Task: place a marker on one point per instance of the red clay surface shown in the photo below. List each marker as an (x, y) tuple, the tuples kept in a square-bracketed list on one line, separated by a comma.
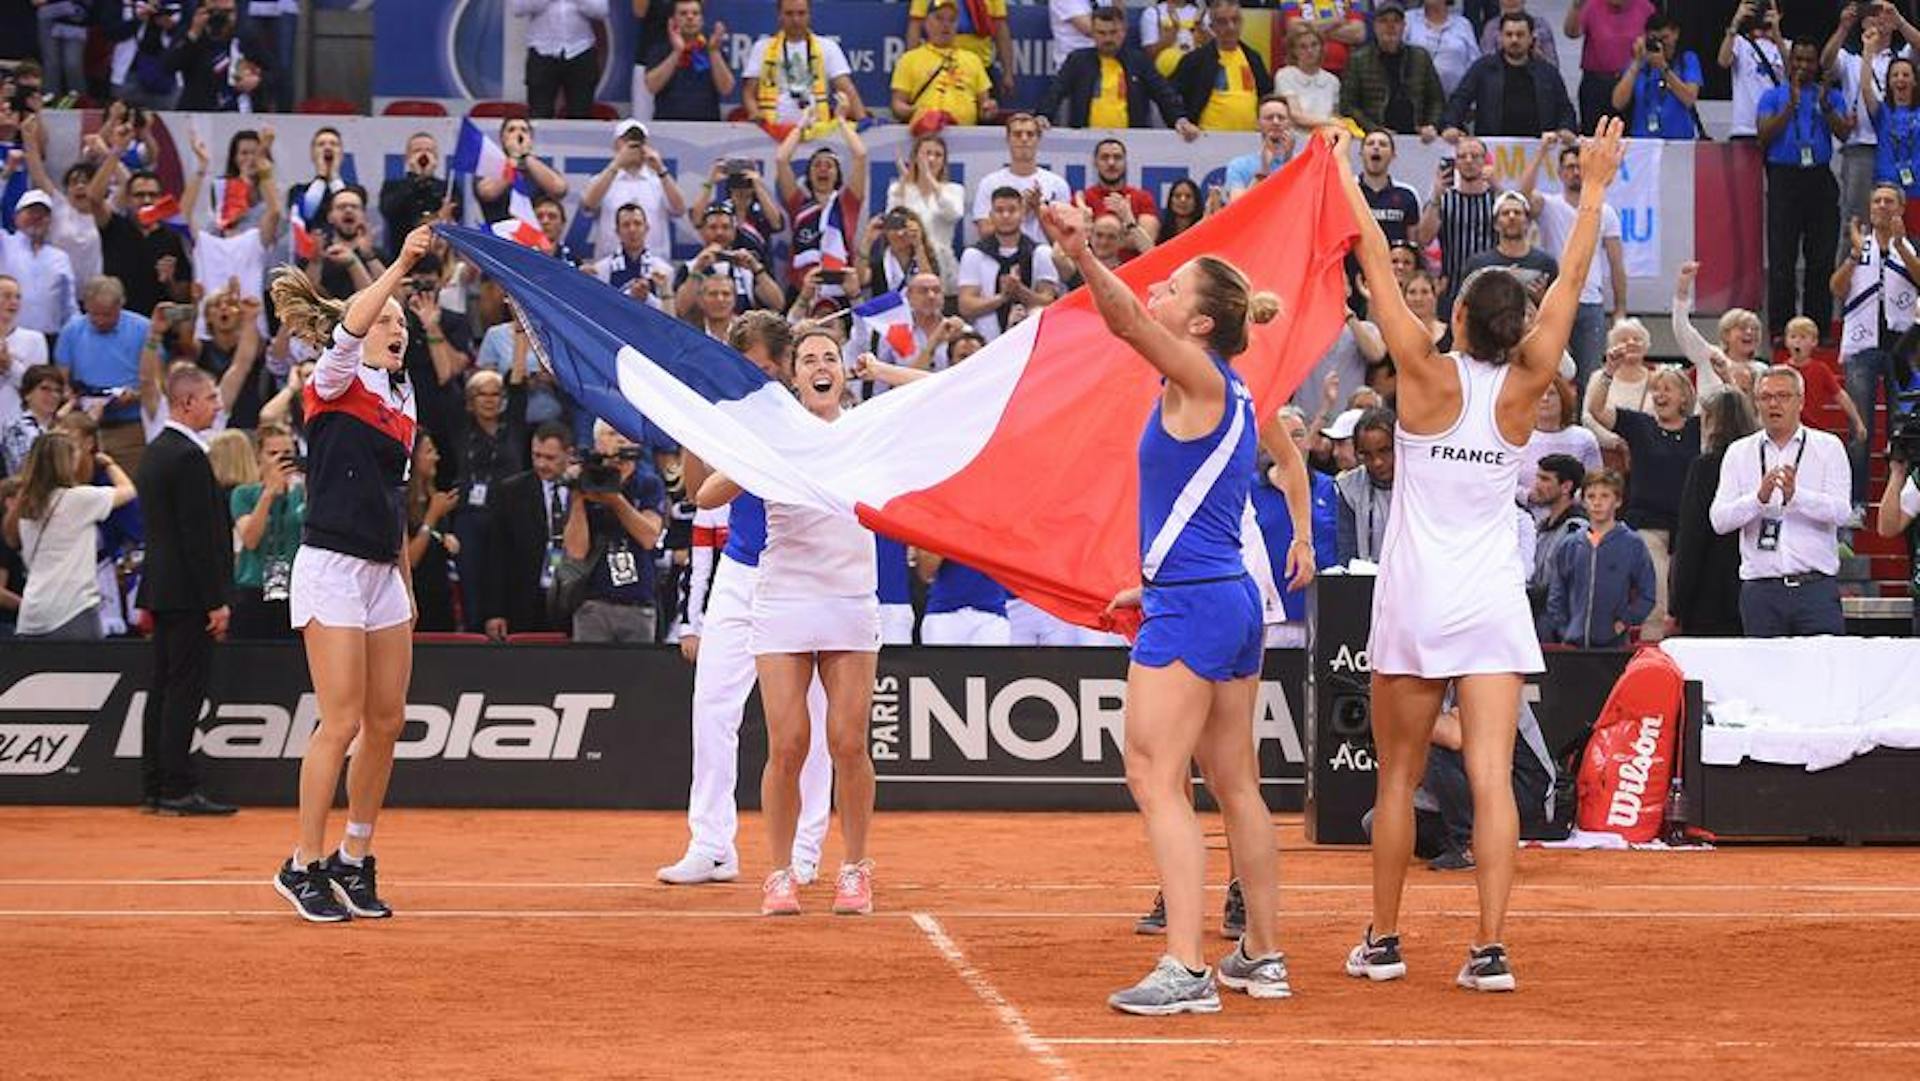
[(535, 944)]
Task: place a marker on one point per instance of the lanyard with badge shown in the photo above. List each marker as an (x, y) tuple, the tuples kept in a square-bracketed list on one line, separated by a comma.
[(555, 512), (1769, 539), (1901, 137), (1656, 97), (1804, 128)]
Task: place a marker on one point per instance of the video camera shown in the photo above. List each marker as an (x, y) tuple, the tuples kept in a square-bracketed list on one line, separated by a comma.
[(600, 473), (1903, 432)]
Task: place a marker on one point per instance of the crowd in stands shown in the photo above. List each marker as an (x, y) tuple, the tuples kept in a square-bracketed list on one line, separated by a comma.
[(1628, 507)]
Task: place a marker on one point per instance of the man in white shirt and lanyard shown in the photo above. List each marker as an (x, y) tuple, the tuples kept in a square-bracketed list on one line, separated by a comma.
[(1753, 50), (1877, 289), (1857, 154), (1784, 489), (560, 53)]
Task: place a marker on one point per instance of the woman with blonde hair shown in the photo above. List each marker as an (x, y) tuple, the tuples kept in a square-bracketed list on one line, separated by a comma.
[(53, 523), (350, 594), (1662, 442), (1628, 385), (1735, 362), (230, 453)]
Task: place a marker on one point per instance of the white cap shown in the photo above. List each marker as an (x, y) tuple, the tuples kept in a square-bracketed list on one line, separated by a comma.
[(1343, 425), (33, 197), (630, 124)]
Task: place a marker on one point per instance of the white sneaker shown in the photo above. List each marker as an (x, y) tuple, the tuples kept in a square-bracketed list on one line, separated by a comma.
[(805, 873), (694, 869)]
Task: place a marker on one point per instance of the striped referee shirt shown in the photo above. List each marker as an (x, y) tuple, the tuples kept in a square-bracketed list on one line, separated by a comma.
[(1466, 230)]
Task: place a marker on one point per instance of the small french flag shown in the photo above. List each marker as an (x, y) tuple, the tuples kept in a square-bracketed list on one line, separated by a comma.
[(164, 211), (888, 317), (522, 232), (477, 155), (304, 245)]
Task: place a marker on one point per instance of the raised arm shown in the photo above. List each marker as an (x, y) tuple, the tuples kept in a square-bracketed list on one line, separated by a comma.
[(1183, 363), (366, 304), (784, 181), (1692, 342), (1539, 352), (857, 150), (1405, 334)]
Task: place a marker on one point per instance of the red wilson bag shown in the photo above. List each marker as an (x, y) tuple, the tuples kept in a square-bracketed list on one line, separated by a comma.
[(1629, 759)]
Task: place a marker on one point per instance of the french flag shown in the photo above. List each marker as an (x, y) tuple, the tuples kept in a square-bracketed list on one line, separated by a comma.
[(887, 318), (831, 254), (477, 155), (522, 232), (1018, 463), (305, 246)]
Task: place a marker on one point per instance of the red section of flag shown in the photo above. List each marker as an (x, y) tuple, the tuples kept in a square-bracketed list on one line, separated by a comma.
[(304, 246), (1059, 526), (166, 208), (900, 337), (236, 195)]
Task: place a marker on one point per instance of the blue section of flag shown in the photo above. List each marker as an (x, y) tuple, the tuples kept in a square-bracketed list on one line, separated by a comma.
[(581, 324), (466, 152), (880, 305)]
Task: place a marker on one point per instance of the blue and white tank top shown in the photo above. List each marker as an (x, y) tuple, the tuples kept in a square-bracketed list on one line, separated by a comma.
[(1193, 492)]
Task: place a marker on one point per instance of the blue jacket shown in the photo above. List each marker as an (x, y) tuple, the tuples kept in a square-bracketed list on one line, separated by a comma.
[(1593, 587)]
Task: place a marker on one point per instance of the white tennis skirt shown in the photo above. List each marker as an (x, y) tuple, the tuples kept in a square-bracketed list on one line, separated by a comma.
[(338, 590), (814, 625)]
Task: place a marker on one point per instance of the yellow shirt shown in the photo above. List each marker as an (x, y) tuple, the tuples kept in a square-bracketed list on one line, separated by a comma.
[(1110, 99), (968, 38), (953, 77), (1234, 105)]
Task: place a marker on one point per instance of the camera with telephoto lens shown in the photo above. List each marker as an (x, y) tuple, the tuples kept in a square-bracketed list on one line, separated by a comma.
[(599, 472), (1903, 432)]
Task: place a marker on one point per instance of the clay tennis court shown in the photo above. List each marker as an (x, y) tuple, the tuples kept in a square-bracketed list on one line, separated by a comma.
[(535, 944)]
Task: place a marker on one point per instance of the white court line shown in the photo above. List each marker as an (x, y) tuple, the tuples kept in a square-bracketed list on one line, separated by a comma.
[(1019, 887), (1007, 1012), (1463, 1043), (743, 913)]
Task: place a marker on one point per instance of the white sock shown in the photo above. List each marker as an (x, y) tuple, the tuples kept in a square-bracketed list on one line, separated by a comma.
[(349, 858)]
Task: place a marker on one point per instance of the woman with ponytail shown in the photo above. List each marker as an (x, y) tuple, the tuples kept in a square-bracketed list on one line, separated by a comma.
[(351, 593), (1450, 605), (1194, 676)]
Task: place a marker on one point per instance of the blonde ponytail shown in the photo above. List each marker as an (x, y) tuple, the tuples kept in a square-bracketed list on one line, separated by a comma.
[(302, 310)]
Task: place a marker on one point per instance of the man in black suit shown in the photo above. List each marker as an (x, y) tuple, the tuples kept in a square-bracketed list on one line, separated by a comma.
[(528, 519), (189, 565), (1085, 72)]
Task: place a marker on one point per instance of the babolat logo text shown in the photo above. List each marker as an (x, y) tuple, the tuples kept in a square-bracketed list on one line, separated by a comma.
[(1624, 809), (37, 746)]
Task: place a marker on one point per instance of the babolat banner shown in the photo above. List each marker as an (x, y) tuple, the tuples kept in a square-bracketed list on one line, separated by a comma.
[(582, 726)]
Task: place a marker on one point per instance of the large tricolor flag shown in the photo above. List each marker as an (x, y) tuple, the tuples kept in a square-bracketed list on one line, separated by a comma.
[(476, 154), (1020, 462)]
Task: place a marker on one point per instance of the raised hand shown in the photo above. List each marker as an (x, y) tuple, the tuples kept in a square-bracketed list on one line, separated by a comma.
[(1601, 155), (1066, 227), (416, 245)]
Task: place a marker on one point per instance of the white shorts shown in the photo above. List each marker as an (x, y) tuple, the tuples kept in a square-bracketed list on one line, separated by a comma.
[(814, 625), (338, 590), (965, 627)]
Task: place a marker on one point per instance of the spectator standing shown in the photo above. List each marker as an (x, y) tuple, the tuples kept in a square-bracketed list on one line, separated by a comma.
[(1459, 212), (1553, 498), (1072, 24), (1277, 140), (791, 76), (208, 56), (722, 256), (689, 79), (268, 516), (417, 193), (981, 29), (1753, 50), (43, 271), (1607, 31), (21, 348), (939, 82), (1732, 363), (494, 194), (1392, 85), (1366, 490), (614, 533), (1006, 275), (637, 174), (1600, 589), (74, 230), (1111, 85), (43, 389), (1224, 80), (1170, 29), (1395, 205), (1876, 287), (142, 36), (1852, 69), (1139, 218), (1312, 92), (1784, 490), (1606, 276), (560, 54), (651, 18), (1446, 36), (1798, 124), (1511, 92), (1661, 444), (1825, 405), (278, 25), (1544, 44), (184, 582), (310, 200), (1899, 506), (430, 548), (230, 352), (1024, 174), (825, 209), (100, 352), (1556, 431), (923, 189), (1895, 116), (1511, 251), (1704, 591), (529, 523), (137, 249), (345, 259), (53, 524), (1660, 87)]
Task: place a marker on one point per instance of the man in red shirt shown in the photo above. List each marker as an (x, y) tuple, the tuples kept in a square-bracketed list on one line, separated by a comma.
[(1139, 216)]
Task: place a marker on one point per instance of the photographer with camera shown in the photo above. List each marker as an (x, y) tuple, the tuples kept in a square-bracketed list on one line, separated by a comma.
[(1753, 50), (205, 58), (608, 576), (637, 174), (418, 193), (736, 183), (1659, 90), (722, 255), (635, 271), (1900, 502), (267, 520)]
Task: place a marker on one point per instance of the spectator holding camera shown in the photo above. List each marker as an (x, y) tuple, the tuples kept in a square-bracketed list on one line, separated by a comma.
[(897, 253), (611, 530), (143, 35), (737, 183), (924, 188), (827, 184), (1753, 50), (1900, 501), (1884, 36), (208, 55), (723, 257), (418, 193), (635, 271), (1657, 92), (53, 524), (637, 174), (267, 519)]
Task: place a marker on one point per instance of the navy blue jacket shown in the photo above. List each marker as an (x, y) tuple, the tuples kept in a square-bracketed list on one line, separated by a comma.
[(1594, 587)]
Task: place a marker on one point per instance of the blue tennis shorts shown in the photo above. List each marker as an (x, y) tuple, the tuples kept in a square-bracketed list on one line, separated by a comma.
[(1213, 627)]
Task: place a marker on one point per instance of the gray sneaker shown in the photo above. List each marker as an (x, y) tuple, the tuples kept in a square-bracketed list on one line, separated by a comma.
[(1169, 989), (1262, 978)]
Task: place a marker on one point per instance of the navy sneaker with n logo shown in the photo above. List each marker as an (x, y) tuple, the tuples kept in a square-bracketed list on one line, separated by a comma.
[(310, 891), (354, 887)]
